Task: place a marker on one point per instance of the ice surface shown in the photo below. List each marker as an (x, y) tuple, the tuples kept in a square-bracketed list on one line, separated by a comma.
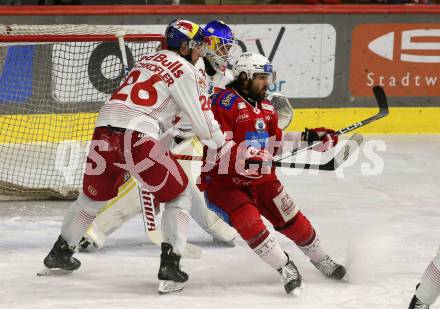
[(385, 228)]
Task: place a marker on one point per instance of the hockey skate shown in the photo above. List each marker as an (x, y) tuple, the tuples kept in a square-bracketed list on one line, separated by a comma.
[(417, 303), (171, 277), (59, 261), (330, 268), (291, 278)]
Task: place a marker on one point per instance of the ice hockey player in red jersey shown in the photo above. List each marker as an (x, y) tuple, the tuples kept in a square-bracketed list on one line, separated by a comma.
[(127, 138), (429, 288), (254, 191)]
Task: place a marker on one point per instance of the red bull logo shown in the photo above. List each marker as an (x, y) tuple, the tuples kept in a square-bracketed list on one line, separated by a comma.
[(185, 25)]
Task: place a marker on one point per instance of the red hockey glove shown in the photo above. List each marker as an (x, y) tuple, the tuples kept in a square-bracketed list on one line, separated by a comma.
[(255, 154), (328, 138)]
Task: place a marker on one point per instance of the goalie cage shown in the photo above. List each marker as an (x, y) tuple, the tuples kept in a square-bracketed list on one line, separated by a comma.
[(53, 81)]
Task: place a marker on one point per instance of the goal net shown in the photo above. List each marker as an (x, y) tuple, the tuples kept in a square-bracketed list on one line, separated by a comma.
[(53, 80)]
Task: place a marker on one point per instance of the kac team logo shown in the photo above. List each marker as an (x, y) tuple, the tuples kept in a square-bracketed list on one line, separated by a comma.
[(260, 125)]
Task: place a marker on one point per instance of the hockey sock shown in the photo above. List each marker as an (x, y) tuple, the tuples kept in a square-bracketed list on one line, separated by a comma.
[(175, 219), (269, 250), (429, 288), (314, 250), (79, 216), (249, 225)]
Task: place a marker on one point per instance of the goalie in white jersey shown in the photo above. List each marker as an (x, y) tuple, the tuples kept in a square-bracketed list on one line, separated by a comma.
[(127, 139)]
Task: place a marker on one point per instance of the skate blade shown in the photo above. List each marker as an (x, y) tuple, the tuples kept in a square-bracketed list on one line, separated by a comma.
[(168, 286), (297, 292), (53, 272)]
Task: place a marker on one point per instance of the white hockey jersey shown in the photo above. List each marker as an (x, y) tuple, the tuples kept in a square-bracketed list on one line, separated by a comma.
[(160, 86), (218, 80)]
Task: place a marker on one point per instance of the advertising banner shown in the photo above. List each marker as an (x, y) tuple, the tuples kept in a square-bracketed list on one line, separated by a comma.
[(403, 58)]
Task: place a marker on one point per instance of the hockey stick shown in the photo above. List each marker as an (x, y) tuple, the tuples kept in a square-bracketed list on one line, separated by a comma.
[(340, 157), (155, 235), (382, 103), (352, 145)]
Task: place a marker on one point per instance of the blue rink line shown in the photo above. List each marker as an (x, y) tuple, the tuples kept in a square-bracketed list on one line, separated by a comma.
[(17, 75)]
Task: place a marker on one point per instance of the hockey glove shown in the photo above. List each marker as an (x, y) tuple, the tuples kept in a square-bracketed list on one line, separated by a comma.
[(328, 138)]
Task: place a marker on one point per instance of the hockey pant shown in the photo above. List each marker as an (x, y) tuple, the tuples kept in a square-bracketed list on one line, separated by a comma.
[(245, 205), (127, 204)]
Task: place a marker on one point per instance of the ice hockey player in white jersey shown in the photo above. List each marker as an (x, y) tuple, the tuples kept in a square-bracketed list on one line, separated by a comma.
[(213, 66), (127, 139), (429, 288)]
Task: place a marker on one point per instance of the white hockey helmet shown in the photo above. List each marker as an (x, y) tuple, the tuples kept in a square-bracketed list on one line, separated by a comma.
[(252, 63)]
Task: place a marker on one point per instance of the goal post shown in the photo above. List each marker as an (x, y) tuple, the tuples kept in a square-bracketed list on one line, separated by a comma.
[(53, 80)]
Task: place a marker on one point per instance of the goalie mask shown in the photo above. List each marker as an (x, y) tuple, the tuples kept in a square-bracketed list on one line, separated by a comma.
[(220, 44)]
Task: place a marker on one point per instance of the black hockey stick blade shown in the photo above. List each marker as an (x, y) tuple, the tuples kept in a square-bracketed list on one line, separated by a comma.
[(382, 103), (340, 157)]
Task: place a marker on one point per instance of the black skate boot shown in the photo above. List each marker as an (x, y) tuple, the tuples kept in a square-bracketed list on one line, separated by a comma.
[(171, 277), (330, 268), (59, 261), (417, 303), (291, 277)]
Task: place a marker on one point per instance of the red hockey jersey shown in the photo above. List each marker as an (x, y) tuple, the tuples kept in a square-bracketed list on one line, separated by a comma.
[(248, 126)]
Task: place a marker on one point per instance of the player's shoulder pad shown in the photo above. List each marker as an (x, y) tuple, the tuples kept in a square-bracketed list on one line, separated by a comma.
[(267, 105), (225, 98)]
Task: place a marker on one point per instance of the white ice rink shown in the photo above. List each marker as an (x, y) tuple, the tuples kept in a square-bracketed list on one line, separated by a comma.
[(385, 228)]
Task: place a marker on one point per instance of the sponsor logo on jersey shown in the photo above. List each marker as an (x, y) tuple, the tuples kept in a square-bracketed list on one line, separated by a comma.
[(243, 116), (257, 139), (201, 82), (161, 65), (402, 58), (228, 101), (260, 125)]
